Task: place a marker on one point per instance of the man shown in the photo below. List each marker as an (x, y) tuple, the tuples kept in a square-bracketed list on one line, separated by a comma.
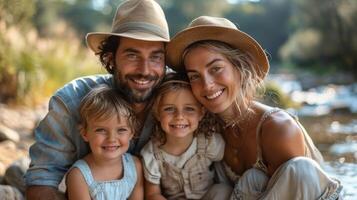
[(133, 54)]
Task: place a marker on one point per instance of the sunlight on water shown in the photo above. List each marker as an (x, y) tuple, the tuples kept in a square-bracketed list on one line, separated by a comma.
[(347, 174)]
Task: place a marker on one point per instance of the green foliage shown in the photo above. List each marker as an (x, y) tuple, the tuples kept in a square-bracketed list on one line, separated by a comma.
[(180, 13), (32, 67), (79, 14), (267, 21), (325, 34), (274, 96), (16, 12)]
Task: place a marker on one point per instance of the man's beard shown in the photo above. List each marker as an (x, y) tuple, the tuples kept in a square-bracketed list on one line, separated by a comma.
[(132, 95)]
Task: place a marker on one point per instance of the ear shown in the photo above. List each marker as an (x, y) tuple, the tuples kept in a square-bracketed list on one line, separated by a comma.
[(83, 132), (111, 58)]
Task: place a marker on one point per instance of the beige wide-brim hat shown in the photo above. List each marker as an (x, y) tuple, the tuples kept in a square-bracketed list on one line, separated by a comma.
[(219, 29), (136, 19)]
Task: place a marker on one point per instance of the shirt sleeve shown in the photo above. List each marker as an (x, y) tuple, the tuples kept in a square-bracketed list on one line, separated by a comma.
[(54, 150), (215, 147), (151, 166), (58, 143)]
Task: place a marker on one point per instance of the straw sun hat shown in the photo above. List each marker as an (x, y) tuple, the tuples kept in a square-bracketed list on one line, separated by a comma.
[(137, 19), (219, 29)]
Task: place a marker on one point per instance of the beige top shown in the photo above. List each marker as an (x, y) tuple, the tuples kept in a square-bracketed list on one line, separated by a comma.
[(188, 175)]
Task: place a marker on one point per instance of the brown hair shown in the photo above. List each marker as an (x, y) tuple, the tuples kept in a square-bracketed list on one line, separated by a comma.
[(107, 50), (103, 102), (244, 63)]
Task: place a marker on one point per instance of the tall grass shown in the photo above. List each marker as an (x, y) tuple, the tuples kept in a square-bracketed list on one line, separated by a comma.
[(32, 68)]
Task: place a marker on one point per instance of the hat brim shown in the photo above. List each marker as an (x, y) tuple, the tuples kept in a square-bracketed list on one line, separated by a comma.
[(94, 39), (233, 37)]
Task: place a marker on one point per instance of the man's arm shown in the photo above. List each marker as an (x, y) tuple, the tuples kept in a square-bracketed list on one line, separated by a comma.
[(58, 142), (53, 152), (43, 192)]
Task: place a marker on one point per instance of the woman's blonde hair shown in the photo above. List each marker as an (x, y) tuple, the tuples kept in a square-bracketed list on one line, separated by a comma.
[(103, 102), (244, 63)]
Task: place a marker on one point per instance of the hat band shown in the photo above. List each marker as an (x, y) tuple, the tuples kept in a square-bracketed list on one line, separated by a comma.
[(141, 27)]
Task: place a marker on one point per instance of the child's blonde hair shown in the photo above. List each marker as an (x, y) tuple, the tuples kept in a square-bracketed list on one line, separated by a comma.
[(103, 102)]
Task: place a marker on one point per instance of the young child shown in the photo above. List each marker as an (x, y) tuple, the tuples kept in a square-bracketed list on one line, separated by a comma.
[(108, 172), (178, 158)]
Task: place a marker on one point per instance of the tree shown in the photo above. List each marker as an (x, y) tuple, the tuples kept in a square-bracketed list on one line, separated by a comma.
[(267, 21), (331, 26), (180, 13)]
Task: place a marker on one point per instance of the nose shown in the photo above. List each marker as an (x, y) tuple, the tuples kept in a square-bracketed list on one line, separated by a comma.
[(208, 82), (112, 136), (144, 68), (179, 114)]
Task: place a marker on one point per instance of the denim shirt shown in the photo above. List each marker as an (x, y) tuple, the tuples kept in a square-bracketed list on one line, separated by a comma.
[(58, 141)]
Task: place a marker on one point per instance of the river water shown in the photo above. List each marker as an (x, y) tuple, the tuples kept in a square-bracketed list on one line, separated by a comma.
[(329, 114), (347, 174), (335, 135)]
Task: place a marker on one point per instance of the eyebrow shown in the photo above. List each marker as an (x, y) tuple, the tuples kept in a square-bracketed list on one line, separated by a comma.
[(131, 50), (213, 61), (208, 64), (158, 51), (186, 104)]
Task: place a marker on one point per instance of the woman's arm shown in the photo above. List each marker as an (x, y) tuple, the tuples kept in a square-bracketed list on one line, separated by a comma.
[(77, 187), (138, 191), (153, 191), (281, 140)]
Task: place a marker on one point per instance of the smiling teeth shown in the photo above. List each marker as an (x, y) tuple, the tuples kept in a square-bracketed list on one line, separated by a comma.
[(111, 147), (179, 126), (215, 95), (141, 82)]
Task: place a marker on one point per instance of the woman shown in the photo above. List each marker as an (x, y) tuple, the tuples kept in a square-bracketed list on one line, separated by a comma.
[(267, 153)]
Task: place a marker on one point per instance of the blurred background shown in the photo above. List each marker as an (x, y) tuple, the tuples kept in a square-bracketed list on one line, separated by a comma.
[(312, 47)]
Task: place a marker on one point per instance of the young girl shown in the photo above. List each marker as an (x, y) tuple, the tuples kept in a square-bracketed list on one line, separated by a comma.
[(108, 172), (177, 159)]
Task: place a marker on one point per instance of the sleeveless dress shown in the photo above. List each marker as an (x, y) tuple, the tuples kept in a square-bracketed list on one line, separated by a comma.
[(113, 189), (298, 178)]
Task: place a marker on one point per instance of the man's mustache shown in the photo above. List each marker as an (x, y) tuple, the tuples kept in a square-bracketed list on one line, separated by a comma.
[(140, 76)]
